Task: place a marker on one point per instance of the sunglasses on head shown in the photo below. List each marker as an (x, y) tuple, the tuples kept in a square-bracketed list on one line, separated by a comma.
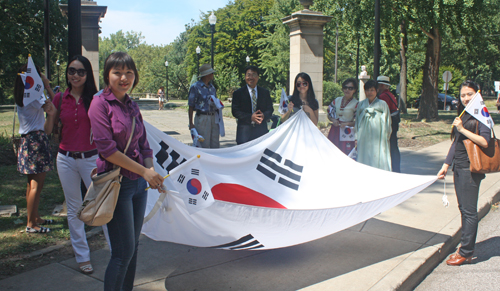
[(303, 84), (80, 72), (349, 88)]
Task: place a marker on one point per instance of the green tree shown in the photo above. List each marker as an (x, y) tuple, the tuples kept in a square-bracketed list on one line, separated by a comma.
[(22, 34), (239, 27), (117, 42)]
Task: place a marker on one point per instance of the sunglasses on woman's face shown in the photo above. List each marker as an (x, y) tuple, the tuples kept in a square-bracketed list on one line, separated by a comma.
[(303, 84), (349, 88), (80, 72)]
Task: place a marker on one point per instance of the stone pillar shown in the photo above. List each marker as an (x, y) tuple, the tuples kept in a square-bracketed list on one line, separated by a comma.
[(91, 17), (363, 77), (306, 49)]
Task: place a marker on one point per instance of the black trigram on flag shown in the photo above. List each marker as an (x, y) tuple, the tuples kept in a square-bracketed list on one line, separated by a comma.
[(38, 87), (271, 166), (171, 159), (27, 95), (247, 242)]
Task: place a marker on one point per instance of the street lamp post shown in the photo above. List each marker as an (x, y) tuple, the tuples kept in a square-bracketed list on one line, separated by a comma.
[(248, 60), (166, 87), (58, 64), (212, 19), (198, 51)]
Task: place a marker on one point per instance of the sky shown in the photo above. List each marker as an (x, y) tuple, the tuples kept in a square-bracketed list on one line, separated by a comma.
[(160, 21)]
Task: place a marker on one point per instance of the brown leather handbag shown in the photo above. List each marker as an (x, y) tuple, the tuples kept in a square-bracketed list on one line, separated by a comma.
[(484, 160)]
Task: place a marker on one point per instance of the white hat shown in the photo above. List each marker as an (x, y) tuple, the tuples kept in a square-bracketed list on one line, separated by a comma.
[(206, 69), (383, 80)]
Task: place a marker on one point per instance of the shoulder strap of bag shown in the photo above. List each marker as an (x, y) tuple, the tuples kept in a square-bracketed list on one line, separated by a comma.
[(129, 140), (392, 100), (477, 129), (131, 134)]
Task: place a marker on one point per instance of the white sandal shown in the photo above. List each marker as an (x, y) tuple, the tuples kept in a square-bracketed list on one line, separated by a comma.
[(87, 269)]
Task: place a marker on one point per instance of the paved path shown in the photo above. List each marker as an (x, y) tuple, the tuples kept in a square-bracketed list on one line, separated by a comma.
[(484, 272), (392, 251)]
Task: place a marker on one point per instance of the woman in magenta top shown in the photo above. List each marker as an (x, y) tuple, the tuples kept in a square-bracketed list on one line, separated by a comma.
[(111, 114), (77, 152)]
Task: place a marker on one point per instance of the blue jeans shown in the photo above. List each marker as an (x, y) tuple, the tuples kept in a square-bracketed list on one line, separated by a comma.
[(124, 230)]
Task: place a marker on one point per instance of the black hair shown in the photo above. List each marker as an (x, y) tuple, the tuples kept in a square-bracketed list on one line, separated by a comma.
[(370, 84), (467, 83), (252, 68), (89, 88), (469, 122), (350, 80), (19, 85), (311, 97), (119, 60)]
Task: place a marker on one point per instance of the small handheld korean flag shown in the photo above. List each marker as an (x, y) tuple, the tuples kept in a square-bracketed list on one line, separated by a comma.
[(197, 139), (283, 102), (33, 85), (332, 111), (478, 110), (192, 186), (347, 134)]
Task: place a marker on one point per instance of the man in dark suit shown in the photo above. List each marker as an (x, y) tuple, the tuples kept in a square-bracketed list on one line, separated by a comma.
[(252, 106)]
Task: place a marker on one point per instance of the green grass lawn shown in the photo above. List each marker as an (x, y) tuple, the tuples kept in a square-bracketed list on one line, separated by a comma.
[(13, 240)]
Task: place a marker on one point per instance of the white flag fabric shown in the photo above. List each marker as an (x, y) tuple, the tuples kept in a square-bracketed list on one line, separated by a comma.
[(272, 192), (478, 110), (283, 108), (33, 85)]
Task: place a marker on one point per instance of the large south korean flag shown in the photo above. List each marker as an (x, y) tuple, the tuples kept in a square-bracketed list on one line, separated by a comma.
[(287, 187)]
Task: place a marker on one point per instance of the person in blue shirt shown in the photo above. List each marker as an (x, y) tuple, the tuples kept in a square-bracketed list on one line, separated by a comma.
[(200, 101)]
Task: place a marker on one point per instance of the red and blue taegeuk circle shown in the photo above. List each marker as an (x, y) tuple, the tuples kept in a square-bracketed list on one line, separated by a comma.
[(347, 130), (28, 83), (485, 112), (194, 186)]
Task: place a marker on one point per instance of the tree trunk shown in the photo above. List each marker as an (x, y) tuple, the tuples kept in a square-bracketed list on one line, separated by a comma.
[(428, 100), (404, 69)]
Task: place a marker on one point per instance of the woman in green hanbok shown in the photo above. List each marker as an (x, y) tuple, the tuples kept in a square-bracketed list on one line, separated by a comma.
[(373, 130)]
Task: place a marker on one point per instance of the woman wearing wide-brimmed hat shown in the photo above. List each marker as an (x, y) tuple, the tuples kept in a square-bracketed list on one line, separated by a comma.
[(200, 101)]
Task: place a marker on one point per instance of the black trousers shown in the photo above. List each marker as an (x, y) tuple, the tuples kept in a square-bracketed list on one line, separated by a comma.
[(395, 154), (248, 132), (467, 190)]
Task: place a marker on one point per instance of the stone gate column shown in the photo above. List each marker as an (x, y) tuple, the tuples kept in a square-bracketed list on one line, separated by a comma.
[(306, 48)]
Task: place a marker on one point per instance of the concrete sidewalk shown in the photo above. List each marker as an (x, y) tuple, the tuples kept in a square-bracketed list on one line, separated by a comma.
[(392, 251)]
